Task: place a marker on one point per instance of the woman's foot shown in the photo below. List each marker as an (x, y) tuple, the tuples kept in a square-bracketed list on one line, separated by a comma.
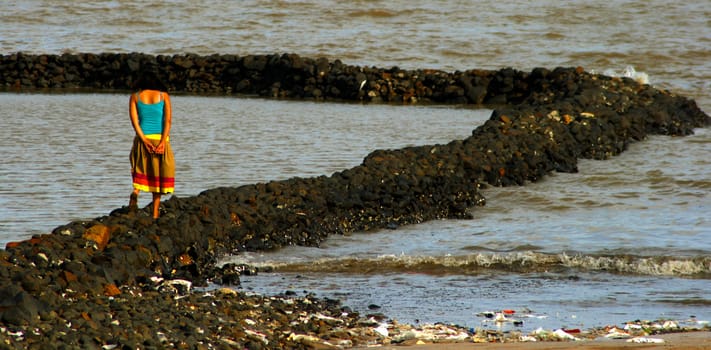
[(133, 202)]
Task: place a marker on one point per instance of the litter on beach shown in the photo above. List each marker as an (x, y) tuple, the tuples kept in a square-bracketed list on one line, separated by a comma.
[(646, 340)]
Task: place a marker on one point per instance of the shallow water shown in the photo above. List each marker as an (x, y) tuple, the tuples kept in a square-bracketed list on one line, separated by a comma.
[(623, 239)]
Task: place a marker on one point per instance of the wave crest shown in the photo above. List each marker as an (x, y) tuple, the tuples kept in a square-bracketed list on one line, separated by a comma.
[(517, 262)]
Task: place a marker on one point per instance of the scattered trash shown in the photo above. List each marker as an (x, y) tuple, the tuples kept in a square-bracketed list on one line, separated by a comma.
[(528, 338), (511, 316), (632, 326), (487, 314), (670, 324), (382, 329), (646, 340), (637, 331), (425, 333), (316, 342), (616, 333), (561, 334)]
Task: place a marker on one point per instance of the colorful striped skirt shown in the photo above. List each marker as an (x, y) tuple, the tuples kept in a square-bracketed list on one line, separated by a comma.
[(152, 172)]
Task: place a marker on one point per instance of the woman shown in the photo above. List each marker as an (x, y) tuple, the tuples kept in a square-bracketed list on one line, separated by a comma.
[(152, 163)]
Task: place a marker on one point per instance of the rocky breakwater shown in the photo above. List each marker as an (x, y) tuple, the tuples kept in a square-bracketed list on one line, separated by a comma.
[(124, 280), (277, 76)]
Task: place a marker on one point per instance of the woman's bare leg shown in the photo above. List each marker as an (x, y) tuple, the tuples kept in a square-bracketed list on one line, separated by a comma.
[(156, 205), (133, 200)]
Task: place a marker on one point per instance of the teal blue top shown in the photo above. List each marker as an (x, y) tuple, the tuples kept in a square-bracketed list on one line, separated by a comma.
[(150, 116)]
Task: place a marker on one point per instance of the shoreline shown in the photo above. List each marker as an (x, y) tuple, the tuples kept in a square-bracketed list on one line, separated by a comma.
[(124, 279), (695, 340), (170, 314)]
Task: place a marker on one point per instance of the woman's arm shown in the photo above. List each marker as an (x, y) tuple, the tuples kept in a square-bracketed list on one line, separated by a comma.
[(133, 114), (167, 123)]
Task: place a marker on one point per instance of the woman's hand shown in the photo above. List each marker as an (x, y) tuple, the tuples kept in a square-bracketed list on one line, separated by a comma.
[(160, 149), (149, 146)]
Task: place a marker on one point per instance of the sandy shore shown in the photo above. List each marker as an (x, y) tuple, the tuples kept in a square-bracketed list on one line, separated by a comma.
[(672, 341)]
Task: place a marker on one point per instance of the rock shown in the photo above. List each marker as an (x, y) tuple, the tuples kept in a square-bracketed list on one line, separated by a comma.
[(99, 234), (18, 307), (111, 290)]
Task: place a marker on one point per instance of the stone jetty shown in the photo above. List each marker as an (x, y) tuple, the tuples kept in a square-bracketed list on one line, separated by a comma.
[(127, 281)]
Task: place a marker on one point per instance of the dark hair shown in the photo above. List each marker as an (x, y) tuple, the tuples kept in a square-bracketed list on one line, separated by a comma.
[(148, 79)]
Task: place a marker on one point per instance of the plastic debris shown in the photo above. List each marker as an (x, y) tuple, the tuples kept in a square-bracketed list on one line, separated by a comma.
[(507, 316), (646, 340), (487, 314), (561, 334), (528, 338), (328, 319), (670, 325), (429, 333), (616, 333), (632, 326), (312, 341), (382, 329)]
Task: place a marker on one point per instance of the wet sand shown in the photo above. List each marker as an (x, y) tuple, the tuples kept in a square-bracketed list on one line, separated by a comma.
[(672, 341)]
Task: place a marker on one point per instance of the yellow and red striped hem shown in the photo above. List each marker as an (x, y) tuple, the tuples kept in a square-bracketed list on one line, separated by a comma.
[(153, 184)]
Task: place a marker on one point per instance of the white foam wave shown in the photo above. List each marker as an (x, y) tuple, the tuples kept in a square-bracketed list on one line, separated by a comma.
[(640, 265), (515, 262), (629, 72)]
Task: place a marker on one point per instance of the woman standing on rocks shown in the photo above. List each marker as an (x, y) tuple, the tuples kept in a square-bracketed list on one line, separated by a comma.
[(152, 163)]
